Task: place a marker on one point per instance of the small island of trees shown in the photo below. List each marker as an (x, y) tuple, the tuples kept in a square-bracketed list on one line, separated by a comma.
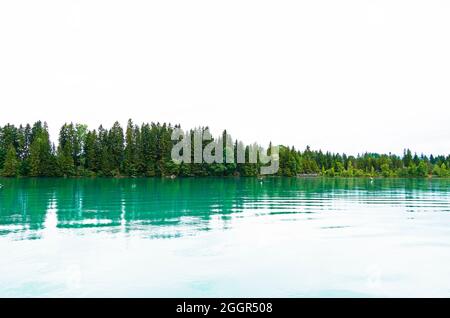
[(145, 151)]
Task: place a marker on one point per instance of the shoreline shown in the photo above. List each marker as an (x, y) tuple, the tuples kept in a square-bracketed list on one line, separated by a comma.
[(223, 177)]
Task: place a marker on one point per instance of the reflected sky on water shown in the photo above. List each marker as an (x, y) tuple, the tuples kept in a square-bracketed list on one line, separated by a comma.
[(231, 237)]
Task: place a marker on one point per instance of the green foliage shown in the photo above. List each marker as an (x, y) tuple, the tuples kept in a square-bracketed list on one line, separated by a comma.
[(42, 156), (65, 161), (441, 171), (130, 163), (145, 151), (115, 147), (385, 170), (11, 164)]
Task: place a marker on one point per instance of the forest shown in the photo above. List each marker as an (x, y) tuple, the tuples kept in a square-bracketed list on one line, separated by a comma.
[(145, 151)]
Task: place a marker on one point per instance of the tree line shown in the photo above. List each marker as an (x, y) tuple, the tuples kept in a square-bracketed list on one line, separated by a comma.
[(145, 151)]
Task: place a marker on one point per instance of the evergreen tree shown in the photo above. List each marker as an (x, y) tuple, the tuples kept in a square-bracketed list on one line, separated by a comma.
[(103, 153), (91, 152), (130, 159), (42, 159), (11, 164), (66, 152), (115, 148), (65, 161), (146, 151)]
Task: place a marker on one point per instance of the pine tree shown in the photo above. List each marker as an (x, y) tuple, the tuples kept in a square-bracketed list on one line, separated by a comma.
[(407, 158), (78, 141), (90, 152), (146, 151), (103, 153), (148, 142), (116, 148), (24, 169), (65, 161), (66, 153), (129, 164), (11, 165), (42, 159)]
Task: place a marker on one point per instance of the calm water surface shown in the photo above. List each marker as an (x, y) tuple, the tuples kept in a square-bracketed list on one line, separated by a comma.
[(224, 238)]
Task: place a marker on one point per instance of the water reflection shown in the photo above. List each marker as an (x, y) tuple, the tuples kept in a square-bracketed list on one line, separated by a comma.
[(156, 208)]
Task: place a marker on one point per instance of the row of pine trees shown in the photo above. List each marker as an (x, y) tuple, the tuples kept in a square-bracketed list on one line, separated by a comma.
[(145, 151)]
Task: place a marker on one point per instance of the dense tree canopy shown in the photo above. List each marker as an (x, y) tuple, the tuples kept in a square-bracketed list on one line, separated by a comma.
[(145, 151)]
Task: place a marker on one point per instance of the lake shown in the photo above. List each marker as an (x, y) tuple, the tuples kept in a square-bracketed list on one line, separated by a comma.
[(229, 237)]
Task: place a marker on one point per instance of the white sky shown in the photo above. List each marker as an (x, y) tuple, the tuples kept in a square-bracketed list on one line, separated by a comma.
[(347, 76)]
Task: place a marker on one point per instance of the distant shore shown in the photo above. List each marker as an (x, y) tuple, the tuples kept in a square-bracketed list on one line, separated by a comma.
[(146, 151), (223, 177)]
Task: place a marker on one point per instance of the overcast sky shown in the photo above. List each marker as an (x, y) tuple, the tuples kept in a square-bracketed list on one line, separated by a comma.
[(349, 76)]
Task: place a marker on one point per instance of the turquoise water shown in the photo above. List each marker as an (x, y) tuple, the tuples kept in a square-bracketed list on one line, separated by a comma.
[(224, 237)]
